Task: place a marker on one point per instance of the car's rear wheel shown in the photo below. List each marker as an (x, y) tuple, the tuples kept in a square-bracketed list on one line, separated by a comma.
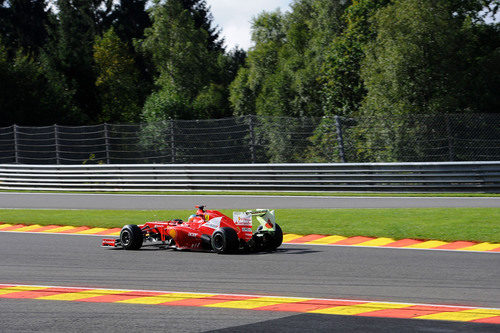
[(225, 240), (131, 237), (273, 240)]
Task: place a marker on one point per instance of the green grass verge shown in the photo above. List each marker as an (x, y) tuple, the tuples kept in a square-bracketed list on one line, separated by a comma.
[(312, 194), (447, 224)]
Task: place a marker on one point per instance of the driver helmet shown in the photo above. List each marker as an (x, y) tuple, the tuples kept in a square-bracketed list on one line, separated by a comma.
[(202, 218)]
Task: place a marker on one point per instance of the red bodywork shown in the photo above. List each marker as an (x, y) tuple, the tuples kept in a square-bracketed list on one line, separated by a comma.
[(188, 234)]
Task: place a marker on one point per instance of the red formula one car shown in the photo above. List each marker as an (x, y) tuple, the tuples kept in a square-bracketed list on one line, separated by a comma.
[(206, 230)]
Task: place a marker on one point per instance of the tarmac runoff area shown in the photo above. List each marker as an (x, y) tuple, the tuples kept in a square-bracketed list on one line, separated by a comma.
[(156, 202), (372, 288)]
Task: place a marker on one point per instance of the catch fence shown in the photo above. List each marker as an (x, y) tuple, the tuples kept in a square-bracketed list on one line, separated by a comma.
[(258, 139)]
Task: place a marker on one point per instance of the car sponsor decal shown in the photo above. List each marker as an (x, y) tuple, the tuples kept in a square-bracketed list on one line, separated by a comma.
[(324, 240), (254, 302), (172, 233), (242, 219)]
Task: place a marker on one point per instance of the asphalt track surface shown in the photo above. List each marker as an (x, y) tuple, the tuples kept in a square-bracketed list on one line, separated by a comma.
[(438, 277), (157, 202)]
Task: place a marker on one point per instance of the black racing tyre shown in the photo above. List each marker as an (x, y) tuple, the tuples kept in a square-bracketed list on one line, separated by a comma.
[(225, 240), (273, 240), (131, 237), (278, 237)]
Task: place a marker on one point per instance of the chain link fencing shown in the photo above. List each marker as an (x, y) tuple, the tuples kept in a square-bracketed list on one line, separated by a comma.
[(259, 139)]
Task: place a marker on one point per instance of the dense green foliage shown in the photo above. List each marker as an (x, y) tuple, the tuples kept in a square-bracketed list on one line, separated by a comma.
[(117, 79), (90, 61), (193, 69), (368, 56), (282, 74), (427, 59)]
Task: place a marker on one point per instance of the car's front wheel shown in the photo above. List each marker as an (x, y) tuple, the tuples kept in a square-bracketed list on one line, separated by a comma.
[(131, 237)]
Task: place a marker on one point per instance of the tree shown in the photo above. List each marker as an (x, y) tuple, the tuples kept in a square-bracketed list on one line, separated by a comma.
[(311, 27), (130, 19), (117, 80), (32, 95), (343, 89), (23, 25), (183, 48), (284, 67), (269, 36), (70, 50), (203, 20), (283, 71), (428, 59)]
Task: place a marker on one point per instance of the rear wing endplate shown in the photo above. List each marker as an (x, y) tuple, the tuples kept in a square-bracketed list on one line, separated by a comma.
[(265, 217)]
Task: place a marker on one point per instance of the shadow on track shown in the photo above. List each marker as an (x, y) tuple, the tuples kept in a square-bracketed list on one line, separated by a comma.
[(331, 323), (295, 250)]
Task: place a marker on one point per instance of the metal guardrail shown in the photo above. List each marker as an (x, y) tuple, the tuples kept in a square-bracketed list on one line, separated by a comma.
[(416, 177)]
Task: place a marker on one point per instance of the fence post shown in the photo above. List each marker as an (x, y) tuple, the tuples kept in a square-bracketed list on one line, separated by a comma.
[(56, 139), (172, 141), (451, 150), (106, 142), (252, 138), (340, 139), (16, 148)]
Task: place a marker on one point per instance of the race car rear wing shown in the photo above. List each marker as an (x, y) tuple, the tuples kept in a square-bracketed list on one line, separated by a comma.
[(265, 217)]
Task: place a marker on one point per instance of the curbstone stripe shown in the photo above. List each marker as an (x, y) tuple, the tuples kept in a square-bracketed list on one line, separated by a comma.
[(253, 302), (333, 240)]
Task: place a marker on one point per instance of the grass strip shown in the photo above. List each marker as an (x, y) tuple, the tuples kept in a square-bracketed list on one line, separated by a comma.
[(446, 224), (310, 194)]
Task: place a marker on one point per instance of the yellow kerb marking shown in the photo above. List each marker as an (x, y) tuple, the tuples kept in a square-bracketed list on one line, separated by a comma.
[(158, 299), (466, 315), (147, 300), (117, 233), (327, 240), (482, 247), (59, 229), (6, 225), (91, 231), (255, 303), (290, 237), (360, 308), (376, 242), (426, 245), (81, 295), (10, 290), (28, 228), (183, 296)]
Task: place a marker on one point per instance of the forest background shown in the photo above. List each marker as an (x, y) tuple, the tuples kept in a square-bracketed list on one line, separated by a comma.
[(79, 62), (83, 62)]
